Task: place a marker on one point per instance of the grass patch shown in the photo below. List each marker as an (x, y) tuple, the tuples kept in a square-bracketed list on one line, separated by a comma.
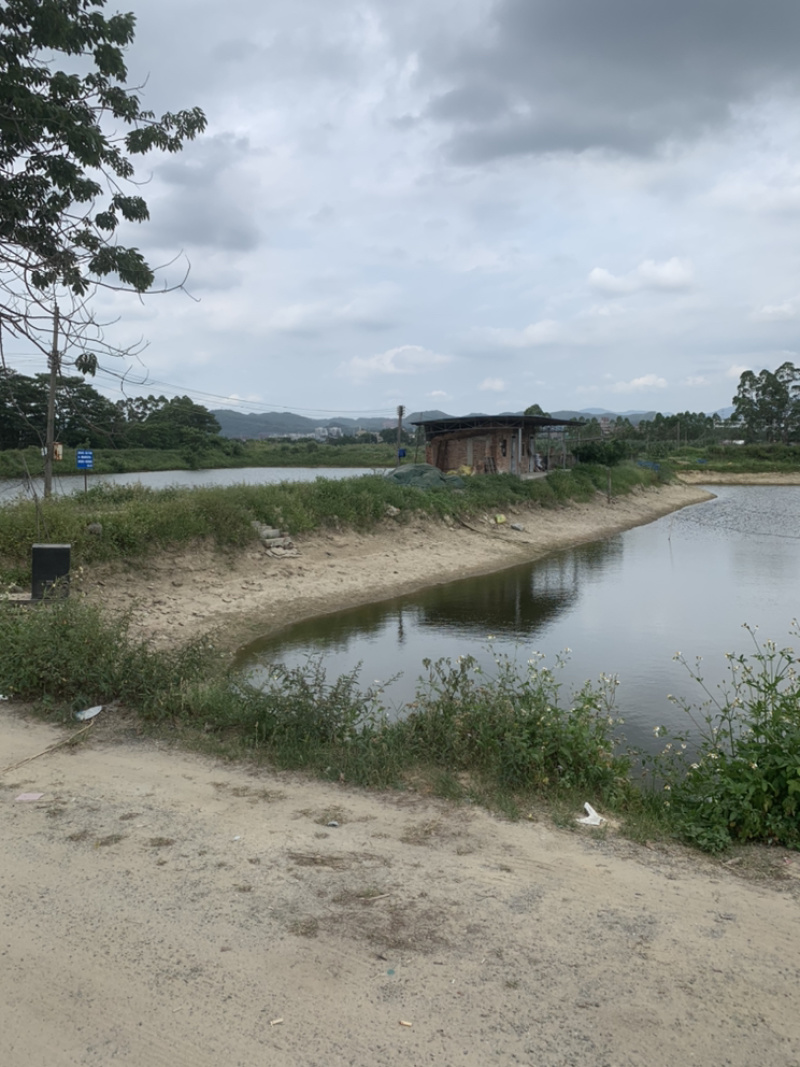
[(496, 736), (509, 738), (736, 459), (137, 521)]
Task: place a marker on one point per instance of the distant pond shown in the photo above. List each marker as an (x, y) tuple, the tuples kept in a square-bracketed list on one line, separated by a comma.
[(624, 606), (67, 484)]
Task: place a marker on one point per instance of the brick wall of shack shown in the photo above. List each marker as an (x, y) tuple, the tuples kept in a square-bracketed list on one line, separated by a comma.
[(450, 451)]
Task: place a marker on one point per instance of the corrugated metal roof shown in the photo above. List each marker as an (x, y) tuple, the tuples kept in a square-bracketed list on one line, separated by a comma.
[(433, 427)]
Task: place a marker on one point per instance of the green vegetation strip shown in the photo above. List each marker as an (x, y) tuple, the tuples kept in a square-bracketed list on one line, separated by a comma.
[(136, 521), (508, 739), (213, 454)]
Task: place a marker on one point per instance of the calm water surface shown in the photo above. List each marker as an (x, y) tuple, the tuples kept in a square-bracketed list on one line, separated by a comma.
[(623, 606), (73, 483)]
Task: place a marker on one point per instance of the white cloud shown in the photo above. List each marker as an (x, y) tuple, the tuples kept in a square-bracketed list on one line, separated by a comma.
[(785, 312), (298, 318), (696, 380), (601, 311), (672, 275), (370, 307), (492, 385), (545, 332), (736, 370), (438, 394), (640, 385), (407, 359)]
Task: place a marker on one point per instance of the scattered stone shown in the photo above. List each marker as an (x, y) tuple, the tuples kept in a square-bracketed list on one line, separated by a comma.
[(517, 526), (265, 533), (95, 529), (500, 519), (391, 511)]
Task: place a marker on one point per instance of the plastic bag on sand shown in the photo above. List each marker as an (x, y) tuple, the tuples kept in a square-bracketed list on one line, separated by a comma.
[(591, 818), (89, 713)]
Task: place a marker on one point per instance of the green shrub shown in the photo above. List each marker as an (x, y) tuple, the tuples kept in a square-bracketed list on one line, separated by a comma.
[(67, 653), (742, 783), (606, 453), (513, 729)]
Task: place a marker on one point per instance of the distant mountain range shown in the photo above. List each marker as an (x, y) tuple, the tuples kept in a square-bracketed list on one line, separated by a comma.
[(283, 423)]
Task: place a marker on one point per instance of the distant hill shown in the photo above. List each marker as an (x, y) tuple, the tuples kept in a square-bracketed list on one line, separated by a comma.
[(281, 423), (427, 416), (634, 417)]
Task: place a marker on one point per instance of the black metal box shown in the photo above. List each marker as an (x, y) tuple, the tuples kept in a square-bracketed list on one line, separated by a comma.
[(50, 571)]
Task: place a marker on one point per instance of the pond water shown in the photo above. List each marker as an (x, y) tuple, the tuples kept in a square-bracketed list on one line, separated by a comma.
[(624, 606), (10, 489)]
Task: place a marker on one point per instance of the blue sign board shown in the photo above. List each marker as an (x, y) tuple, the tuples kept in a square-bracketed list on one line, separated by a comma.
[(85, 458), (401, 453)]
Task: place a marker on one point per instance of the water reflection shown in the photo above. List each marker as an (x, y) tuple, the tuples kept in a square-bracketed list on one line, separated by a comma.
[(625, 605)]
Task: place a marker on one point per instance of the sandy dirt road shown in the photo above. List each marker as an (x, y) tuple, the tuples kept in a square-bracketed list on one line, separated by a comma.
[(164, 908)]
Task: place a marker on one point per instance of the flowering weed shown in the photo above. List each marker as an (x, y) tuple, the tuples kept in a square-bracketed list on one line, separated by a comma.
[(742, 783)]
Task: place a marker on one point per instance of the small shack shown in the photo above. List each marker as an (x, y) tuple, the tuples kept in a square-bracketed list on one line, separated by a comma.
[(495, 444)]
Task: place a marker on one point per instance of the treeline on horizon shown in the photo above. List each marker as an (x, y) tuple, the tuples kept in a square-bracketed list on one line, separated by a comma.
[(84, 418), (766, 410)]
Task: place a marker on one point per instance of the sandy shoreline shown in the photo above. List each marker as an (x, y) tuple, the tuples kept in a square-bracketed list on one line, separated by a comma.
[(729, 478), (174, 597)]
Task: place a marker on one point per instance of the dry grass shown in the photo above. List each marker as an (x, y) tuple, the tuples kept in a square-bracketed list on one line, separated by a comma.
[(109, 839), (305, 927)]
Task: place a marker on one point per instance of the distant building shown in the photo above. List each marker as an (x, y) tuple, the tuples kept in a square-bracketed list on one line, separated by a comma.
[(494, 444)]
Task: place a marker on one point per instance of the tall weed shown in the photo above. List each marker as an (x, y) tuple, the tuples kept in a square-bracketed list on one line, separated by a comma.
[(742, 782), (514, 728)]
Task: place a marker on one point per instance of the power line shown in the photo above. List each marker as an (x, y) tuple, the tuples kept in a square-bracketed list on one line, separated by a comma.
[(256, 406)]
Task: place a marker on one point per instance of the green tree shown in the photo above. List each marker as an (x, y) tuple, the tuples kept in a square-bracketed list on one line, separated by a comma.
[(84, 416), (609, 452), (23, 410), (63, 167), (535, 409), (173, 424), (675, 429), (767, 405)]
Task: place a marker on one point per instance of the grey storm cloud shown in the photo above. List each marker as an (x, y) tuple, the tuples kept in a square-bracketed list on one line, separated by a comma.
[(624, 75), (200, 206)]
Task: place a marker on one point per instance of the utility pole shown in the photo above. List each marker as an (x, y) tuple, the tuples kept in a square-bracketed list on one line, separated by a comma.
[(400, 413), (51, 410)]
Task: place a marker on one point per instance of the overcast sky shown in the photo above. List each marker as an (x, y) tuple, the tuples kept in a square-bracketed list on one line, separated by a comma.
[(472, 205)]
